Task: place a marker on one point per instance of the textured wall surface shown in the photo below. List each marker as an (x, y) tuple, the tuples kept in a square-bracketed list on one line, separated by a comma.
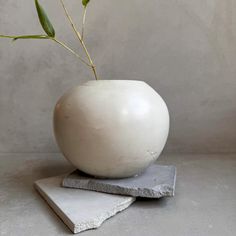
[(185, 49)]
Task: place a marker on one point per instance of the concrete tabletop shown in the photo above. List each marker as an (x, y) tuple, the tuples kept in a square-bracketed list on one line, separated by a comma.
[(204, 204)]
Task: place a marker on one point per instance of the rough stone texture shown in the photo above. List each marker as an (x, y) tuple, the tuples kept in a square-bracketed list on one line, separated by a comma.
[(80, 210), (157, 181)]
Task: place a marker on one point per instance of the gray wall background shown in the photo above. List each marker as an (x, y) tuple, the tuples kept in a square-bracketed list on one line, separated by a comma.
[(185, 49)]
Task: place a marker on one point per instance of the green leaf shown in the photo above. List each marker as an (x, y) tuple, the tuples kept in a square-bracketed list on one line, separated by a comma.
[(31, 37), (7, 36), (85, 2), (45, 22), (25, 37)]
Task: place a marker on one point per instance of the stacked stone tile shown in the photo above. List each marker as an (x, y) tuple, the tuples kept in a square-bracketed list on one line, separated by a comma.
[(84, 202)]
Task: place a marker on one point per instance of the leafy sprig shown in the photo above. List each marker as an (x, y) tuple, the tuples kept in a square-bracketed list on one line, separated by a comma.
[(51, 35)]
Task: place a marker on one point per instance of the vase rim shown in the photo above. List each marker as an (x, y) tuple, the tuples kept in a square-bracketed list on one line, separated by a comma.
[(116, 80)]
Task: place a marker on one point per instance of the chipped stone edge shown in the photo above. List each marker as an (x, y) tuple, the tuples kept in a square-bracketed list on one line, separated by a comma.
[(88, 184), (77, 228), (97, 222)]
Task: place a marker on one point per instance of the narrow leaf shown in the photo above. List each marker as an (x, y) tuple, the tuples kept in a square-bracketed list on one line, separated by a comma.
[(7, 36), (25, 37), (31, 37), (45, 22), (85, 2)]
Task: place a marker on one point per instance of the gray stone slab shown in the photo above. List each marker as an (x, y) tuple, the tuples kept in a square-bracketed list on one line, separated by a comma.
[(157, 181), (79, 209)]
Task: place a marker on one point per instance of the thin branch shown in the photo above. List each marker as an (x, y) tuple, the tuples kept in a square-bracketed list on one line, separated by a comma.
[(83, 23), (94, 71), (80, 39), (70, 20), (70, 50), (15, 37)]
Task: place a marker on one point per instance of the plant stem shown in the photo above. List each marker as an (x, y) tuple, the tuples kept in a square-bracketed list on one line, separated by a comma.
[(14, 37), (83, 23), (70, 50), (80, 39)]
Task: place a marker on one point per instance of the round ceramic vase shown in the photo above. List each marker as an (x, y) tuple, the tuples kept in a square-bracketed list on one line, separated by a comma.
[(111, 128)]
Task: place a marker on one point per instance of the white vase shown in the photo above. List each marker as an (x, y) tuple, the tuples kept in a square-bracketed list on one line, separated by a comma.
[(111, 128)]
